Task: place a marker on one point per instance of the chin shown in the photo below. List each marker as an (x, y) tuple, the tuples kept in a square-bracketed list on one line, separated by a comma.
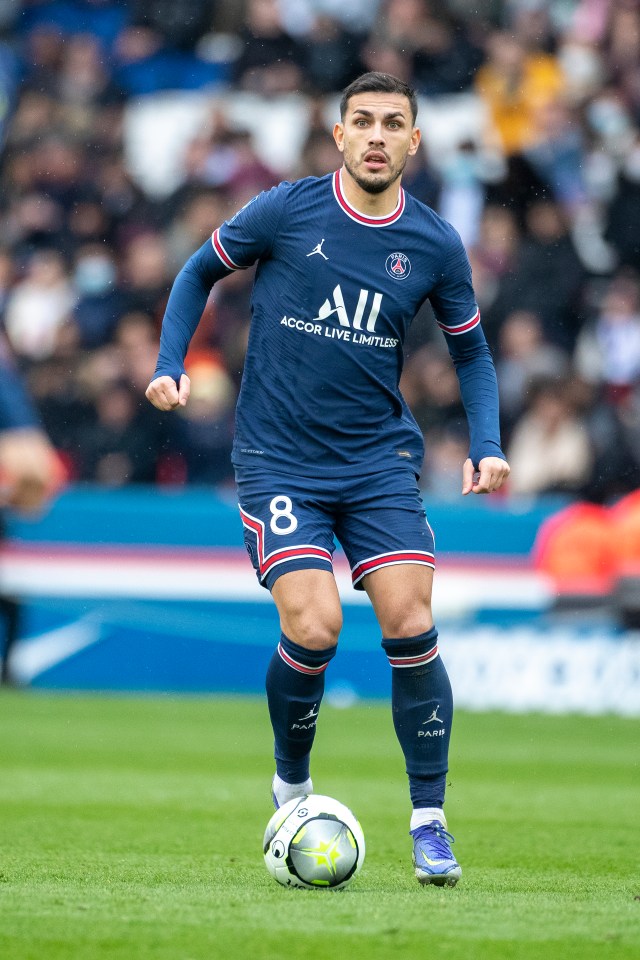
[(374, 183)]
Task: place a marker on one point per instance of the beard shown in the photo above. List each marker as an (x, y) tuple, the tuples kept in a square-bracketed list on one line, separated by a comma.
[(374, 182)]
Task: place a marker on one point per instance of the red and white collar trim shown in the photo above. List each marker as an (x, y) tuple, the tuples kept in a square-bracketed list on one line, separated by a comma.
[(360, 217)]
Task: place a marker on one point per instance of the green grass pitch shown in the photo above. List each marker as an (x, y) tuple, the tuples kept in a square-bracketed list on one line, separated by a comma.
[(131, 828)]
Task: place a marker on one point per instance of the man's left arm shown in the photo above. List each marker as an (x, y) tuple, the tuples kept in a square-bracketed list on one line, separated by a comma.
[(458, 316)]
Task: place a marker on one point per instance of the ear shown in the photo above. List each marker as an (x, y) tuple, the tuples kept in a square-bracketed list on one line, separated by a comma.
[(416, 137), (338, 136)]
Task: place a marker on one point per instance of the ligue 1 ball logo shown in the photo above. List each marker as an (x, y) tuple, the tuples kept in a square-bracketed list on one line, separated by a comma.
[(398, 266)]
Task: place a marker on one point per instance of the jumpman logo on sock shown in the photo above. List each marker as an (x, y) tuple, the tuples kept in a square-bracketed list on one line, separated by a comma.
[(434, 718), (311, 715)]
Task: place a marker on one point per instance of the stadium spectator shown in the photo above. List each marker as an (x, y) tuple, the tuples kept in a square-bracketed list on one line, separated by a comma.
[(463, 194), (331, 55), (493, 258), (83, 81), (135, 343), (181, 23), (100, 303), (357, 16), (430, 386), (65, 407), (558, 155), (549, 448), (516, 83), (546, 277), (623, 215), (523, 358), (614, 437), (427, 43), (317, 157), (119, 445), (197, 208), (608, 351), (103, 19), (272, 60), (227, 159), (446, 59), (145, 272), (39, 305)]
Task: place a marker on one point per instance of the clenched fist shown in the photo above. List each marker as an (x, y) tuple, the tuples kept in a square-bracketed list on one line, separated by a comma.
[(164, 394), (491, 475)]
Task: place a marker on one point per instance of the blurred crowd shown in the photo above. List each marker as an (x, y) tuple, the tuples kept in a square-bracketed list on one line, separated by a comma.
[(546, 198)]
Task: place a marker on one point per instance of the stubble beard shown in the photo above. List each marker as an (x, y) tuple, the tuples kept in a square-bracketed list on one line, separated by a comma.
[(374, 185)]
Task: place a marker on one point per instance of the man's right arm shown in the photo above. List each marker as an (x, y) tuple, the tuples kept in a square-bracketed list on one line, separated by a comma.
[(170, 385), (239, 242)]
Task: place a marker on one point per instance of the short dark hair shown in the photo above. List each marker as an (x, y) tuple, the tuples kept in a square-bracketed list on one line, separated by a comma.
[(375, 82)]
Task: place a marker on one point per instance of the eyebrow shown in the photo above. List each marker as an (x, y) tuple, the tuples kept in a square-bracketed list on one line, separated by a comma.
[(392, 115)]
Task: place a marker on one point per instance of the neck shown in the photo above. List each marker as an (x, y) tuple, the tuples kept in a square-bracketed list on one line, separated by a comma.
[(373, 204)]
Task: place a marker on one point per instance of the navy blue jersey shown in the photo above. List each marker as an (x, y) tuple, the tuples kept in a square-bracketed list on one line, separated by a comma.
[(334, 296)]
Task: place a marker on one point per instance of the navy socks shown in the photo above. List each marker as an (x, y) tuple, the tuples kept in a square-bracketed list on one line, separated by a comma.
[(295, 685), (422, 706), (421, 700)]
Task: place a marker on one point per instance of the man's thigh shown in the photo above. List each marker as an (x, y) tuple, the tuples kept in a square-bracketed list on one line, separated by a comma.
[(383, 524), (288, 523), (401, 599), (309, 607)]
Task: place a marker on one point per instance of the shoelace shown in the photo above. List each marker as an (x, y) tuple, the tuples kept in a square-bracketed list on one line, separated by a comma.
[(438, 837)]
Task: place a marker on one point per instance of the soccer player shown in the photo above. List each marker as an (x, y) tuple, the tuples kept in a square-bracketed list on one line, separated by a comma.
[(325, 444), (29, 474)]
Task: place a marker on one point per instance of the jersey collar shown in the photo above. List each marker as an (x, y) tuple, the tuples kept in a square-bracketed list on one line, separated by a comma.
[(361, 217)]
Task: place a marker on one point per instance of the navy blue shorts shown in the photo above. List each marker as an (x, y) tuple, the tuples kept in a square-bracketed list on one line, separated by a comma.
[(290, 522)]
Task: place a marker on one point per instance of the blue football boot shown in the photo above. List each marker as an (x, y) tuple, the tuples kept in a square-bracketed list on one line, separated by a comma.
[(432, 856)]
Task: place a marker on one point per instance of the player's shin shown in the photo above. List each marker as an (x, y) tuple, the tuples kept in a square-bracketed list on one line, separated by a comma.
[(422, 706), (295, 685)]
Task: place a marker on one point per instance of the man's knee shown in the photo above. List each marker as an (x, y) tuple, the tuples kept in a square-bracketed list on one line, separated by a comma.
[(401, 598), (315, 628), (410, 620), (310, 611)]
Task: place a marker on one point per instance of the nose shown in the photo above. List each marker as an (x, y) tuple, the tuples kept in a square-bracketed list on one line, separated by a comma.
[(376, 134)]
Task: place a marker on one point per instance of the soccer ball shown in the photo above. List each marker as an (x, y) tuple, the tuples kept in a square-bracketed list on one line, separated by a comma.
[(313, 842)]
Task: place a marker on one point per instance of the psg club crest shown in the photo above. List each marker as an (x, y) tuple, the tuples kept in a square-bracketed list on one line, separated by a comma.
[(398, 266)]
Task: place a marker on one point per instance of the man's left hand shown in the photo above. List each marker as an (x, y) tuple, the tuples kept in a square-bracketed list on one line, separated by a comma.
[(491, 475)]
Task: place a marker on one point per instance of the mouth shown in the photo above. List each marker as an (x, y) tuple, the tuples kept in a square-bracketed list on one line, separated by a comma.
[(375, 160)]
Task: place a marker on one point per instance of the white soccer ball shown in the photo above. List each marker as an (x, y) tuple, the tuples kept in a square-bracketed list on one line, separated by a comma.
[(314, 842)]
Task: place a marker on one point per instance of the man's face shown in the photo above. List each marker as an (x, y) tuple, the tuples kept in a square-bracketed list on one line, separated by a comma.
[(376, 137)]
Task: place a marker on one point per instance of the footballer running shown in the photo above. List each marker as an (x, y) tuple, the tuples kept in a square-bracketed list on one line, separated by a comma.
[(325, 446)]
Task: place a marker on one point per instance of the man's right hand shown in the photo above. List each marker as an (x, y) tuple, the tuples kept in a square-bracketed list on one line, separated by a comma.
[(165, 395)]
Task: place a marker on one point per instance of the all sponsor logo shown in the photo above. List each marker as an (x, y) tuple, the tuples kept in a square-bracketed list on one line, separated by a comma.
[(337, 307), (358, 327)]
